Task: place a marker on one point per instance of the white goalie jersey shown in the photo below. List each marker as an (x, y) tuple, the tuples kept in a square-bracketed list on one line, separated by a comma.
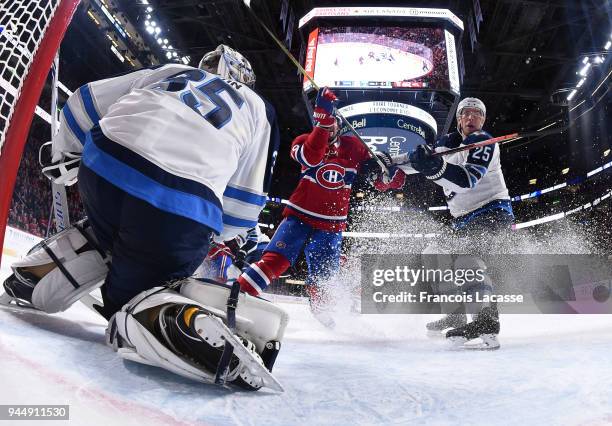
[(180, 138)]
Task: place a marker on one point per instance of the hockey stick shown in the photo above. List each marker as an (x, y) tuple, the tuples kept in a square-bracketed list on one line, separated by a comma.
[(302, 71), (500, 139)]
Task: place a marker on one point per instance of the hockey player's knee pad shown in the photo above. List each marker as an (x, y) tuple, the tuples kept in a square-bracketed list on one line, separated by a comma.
[(62, 269)]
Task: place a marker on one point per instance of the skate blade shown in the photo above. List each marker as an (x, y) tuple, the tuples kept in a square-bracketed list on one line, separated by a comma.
[(17, 305), (486, 342), (436, 334)]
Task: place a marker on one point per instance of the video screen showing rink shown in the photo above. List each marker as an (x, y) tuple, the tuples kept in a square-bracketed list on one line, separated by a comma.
[(381, 57)]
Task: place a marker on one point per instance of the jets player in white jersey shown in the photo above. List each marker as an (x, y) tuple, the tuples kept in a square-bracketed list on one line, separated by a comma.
[(169, 156), (478, 200)]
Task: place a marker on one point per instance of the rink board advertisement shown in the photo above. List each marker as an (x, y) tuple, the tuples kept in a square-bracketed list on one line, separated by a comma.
[(391, 127), (518, 284), (381, 58)]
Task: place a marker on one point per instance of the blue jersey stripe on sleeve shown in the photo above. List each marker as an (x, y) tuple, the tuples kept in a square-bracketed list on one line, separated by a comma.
[(72, 123), (89, 105), (237, 222), (244, 196)]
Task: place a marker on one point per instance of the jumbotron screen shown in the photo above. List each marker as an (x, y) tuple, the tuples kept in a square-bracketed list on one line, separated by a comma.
[(380, 57)]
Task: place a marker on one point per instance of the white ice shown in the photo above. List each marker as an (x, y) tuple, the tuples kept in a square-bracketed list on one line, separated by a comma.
[(552, 369)]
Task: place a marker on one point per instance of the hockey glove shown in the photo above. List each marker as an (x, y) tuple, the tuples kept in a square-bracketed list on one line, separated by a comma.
[(422, 161), (325, 107), (371, 168), (395, 180)]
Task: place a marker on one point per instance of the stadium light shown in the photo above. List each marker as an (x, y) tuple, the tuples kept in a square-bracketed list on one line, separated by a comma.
[(165, 41), (583, 72), (145, 1), (185, 60), (585, 60), (565, 171), (168, 55), (608, 45), (532, 181), (170, 47), (149, 9), (174, 54), (153, 23), (572, 94), (157, 30), (148, 16), (150, 30), (581, 82), (606, 152)]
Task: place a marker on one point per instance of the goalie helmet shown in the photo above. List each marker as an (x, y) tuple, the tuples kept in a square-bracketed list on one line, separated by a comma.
[(230, 64)]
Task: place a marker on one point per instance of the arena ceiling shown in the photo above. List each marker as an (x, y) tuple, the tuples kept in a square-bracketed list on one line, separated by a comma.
[(524, 52)]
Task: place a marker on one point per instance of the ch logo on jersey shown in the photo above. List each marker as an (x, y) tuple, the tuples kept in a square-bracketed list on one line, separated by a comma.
[(331, 176)]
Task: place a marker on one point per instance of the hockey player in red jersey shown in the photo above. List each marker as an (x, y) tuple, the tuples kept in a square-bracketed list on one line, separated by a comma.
[(317, 210)]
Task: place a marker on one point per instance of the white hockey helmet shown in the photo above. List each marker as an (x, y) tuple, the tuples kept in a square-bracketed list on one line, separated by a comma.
[(228, 63), (471, 103)]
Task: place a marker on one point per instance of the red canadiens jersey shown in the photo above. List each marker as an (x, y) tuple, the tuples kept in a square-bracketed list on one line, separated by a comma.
[(321, 198)]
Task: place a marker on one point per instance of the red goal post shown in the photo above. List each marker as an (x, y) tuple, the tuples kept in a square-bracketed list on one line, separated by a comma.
[(30, 34)]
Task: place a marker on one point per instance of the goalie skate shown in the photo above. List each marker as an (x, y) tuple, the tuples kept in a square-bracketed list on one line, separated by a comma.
[(260, 375), (15, 304)]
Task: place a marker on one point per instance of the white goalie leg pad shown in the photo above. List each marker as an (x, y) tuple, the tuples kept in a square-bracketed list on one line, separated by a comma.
[(79, 268), (257, 320), (132, 340)]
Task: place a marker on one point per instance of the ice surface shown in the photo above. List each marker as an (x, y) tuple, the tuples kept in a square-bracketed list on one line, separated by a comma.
[(551, 369)]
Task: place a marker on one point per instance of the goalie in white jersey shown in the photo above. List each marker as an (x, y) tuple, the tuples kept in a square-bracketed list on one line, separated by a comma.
[(169, 156)]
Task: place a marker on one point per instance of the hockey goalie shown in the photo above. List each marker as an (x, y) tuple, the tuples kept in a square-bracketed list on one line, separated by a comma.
[(185, 327), (166, 159)]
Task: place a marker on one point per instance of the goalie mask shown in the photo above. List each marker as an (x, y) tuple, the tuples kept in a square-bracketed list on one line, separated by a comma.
[(229, 64)]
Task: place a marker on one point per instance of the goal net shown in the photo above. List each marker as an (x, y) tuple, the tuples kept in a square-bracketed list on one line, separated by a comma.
[(30, 35)]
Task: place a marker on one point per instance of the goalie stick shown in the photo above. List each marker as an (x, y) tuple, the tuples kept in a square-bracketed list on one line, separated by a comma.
[(302, 71)]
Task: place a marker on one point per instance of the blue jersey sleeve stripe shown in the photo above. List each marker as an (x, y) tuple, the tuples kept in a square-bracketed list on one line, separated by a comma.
[(89, 105), (244, 196), (72, 124), (237, 222)]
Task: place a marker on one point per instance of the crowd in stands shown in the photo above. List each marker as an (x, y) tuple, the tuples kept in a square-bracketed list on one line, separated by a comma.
[(32, 200)]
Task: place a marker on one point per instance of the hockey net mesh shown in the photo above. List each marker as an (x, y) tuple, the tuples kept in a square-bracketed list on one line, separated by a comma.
[(22, 26)]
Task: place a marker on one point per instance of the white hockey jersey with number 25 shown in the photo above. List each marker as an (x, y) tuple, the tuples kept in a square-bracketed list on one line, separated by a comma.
[(179, 138)]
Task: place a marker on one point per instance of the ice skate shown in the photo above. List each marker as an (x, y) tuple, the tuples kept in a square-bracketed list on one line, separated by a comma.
[(480, 334), (320, 307), (437, 328)]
